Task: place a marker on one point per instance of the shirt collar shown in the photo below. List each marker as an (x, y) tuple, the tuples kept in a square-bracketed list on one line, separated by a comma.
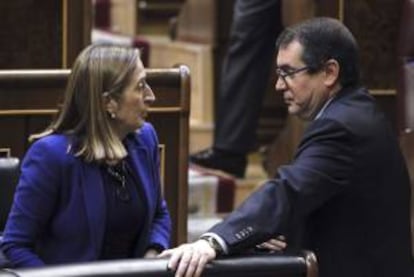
[(323, 108)]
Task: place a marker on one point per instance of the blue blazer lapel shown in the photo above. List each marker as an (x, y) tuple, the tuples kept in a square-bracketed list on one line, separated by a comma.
[(94, 198), (141, 163)]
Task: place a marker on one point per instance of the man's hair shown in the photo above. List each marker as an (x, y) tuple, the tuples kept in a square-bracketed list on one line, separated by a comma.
[(97, 70), (324, 38)]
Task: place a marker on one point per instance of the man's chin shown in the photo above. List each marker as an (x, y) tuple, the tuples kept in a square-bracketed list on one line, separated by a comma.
[(293, 110)]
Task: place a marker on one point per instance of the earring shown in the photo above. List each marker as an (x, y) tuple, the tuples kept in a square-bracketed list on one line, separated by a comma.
[(113, 115)]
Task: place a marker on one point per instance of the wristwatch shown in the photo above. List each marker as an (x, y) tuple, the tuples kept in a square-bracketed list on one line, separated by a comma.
[(213, 244)]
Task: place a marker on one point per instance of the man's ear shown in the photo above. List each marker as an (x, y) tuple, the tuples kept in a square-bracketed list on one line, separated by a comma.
[(110, 104), (332, 69)]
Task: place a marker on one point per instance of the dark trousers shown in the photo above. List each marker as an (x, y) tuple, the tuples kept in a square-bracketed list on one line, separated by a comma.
[(245, 73)]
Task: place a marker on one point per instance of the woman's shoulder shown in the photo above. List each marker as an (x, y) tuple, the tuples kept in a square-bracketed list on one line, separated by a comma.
[(146, 128), (146, 134), (51, 144), (53, 140)]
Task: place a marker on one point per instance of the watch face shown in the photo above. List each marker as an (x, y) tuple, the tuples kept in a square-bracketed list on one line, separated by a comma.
[(214, 244)]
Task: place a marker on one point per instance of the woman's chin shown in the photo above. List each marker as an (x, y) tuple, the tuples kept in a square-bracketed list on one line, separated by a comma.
[(140, 123)]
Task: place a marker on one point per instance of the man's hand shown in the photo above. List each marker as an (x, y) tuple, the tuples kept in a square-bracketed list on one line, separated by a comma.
[(277, 244), (189, 259)]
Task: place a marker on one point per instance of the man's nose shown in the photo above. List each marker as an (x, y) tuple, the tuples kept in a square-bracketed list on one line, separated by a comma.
[(280, 84)]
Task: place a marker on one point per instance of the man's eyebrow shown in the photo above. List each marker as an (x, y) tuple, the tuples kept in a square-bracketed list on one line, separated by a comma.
[(284, 66)]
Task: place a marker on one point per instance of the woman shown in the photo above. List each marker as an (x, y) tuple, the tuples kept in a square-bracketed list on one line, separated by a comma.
[(89, 186)]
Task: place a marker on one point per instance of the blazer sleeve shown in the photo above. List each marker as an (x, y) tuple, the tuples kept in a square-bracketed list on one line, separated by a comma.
[(161, 224), (321, 169), (34, 201)]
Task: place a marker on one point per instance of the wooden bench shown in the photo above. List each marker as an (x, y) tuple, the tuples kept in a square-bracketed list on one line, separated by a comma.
[(28, 101)]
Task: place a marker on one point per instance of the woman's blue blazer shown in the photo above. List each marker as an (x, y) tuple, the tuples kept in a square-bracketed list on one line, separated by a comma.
[(59, 210)]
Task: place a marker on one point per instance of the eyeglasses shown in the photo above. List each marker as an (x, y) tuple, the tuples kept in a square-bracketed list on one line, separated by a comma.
[(283, 73)]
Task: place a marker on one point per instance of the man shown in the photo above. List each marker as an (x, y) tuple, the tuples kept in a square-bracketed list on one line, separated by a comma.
[(346, 194), (243, 83)]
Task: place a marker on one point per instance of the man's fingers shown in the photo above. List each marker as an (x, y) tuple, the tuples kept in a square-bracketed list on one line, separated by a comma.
[(189, 259), (269, 246), (192, 266), (175, 256), (184, 262), (274, 245), (278, 244), (201, 264)]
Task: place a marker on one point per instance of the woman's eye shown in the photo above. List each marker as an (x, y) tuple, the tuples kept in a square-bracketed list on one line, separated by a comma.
[(141, 85)]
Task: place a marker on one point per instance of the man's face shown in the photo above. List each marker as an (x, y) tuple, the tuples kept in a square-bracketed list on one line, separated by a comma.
[(304, 93)]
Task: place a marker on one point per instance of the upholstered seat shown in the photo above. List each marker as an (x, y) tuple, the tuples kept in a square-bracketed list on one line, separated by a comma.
[(9, 173)]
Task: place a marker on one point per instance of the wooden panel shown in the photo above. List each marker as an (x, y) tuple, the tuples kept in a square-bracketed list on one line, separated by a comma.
[(205, 21), (294, 11), (12, 134), (22, 113), (198, 57), (375, 26), (31, 28), (405, 74), (77, 29), (154, 15), (123, 16), (43, 34), (331, 8)]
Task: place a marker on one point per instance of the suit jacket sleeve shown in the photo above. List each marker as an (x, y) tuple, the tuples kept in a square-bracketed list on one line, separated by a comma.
[(320, 170), (35, 197)]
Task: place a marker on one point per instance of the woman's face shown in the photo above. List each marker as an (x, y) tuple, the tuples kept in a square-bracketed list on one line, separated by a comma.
[(132, 107)]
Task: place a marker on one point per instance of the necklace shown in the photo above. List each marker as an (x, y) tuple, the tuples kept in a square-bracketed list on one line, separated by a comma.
[(118, 172)]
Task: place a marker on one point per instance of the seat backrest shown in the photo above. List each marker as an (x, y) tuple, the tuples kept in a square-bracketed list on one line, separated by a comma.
[(9, 174), (405, 93), (407, 146), (405, 59)]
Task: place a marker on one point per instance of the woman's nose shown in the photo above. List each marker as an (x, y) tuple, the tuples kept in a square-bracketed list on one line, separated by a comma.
[(149, 94)]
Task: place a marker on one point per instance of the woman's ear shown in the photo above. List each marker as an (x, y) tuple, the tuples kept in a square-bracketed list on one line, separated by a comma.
[(331, 72), (110, 104)]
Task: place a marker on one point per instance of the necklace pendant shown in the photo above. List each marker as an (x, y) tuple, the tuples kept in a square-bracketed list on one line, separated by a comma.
[(123, 194)]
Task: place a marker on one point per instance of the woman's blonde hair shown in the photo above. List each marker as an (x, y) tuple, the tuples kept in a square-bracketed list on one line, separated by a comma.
[(97, 70)]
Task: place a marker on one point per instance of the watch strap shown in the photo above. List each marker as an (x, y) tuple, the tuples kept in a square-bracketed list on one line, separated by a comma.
[(213, 244)]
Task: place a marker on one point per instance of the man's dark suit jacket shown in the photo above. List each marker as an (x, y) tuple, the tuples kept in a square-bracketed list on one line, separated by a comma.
[(345, 196)]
